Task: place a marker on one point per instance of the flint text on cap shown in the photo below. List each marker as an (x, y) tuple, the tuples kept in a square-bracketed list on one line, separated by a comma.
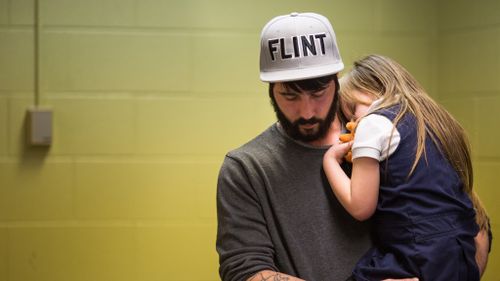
[(303, 46)]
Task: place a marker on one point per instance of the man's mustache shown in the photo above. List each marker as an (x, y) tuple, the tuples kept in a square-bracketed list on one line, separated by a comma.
[(302, 121)]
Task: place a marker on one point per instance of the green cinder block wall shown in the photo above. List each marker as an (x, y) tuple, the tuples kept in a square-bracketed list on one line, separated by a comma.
[(148, 95), (469, 86)]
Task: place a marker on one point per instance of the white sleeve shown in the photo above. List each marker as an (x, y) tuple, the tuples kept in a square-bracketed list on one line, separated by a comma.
[(373, 136)]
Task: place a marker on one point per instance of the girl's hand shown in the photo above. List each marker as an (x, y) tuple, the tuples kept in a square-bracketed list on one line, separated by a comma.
[(338, 151)]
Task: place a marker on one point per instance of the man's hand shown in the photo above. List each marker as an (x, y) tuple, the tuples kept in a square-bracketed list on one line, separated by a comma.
[(406, 279), (269, 275), (482, 246)]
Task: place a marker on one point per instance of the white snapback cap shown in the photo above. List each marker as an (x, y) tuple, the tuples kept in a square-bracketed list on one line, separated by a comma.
[(298, 46)]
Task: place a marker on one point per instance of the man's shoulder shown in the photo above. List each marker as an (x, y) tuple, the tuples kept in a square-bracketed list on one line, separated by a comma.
[(262, 142)]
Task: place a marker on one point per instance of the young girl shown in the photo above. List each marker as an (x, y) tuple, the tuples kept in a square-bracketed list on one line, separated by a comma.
[(412, 171)]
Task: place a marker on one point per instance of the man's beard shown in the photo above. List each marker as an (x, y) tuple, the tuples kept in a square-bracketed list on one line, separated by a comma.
[(293, 129)]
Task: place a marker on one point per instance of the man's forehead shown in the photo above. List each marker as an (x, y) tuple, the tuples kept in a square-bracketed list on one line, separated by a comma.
[(287, 88)]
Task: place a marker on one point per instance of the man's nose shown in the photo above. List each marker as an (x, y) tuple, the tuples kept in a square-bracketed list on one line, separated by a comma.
[(306, 108)]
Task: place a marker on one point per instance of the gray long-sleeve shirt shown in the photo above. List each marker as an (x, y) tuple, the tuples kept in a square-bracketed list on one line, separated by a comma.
[(276, 211)]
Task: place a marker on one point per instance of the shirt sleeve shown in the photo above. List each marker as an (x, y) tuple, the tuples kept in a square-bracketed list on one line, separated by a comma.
[(243, 242), (375, 137)]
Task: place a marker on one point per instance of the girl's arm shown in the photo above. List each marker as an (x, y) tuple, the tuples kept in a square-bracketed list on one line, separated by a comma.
[(358, 195)]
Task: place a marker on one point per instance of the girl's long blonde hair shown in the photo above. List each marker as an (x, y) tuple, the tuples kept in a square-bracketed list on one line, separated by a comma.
[(382, 77)]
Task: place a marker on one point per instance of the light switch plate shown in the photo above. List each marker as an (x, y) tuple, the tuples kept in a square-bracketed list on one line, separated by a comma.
[(39, 125)]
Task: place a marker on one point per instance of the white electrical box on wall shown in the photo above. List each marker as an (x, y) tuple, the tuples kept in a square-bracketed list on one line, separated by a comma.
[(39, 125)]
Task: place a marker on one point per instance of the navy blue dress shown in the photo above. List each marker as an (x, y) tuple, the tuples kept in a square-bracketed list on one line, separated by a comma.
[(424, 225)]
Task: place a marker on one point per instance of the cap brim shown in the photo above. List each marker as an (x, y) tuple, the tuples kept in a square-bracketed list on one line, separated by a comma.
[(300, 73)]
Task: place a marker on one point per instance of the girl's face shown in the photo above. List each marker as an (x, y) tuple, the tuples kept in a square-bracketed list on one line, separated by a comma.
[(362, 104)]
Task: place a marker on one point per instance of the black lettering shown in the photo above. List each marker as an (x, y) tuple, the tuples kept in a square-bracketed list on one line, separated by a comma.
[(296, 46), (322, 42), (284, 55), (272, 48), (308, 45)]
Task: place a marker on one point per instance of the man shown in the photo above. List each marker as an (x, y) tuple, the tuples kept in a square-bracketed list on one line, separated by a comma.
[(277, 216)]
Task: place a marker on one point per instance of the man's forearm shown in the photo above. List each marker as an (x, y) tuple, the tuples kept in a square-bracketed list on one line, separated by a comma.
[(269, 275)]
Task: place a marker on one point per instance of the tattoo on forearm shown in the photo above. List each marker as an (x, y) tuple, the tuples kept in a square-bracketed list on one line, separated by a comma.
[(274, 277)]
